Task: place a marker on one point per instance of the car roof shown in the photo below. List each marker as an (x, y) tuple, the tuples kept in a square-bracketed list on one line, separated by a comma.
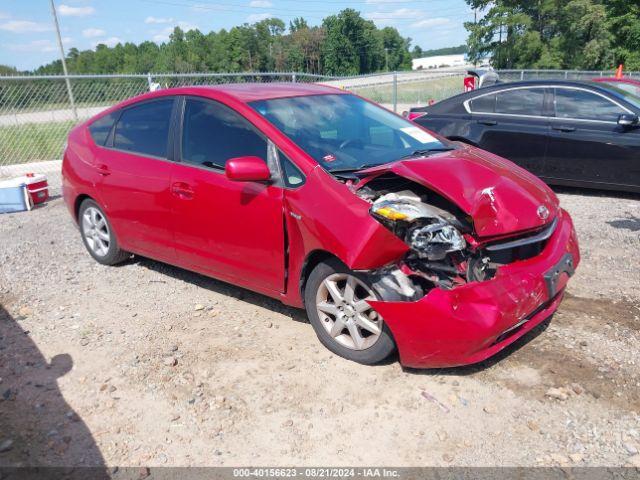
[(633, 81), (451, 103), (250, 92)]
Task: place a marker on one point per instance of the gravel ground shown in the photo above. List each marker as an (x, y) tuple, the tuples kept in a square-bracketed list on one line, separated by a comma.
[(147, 364)]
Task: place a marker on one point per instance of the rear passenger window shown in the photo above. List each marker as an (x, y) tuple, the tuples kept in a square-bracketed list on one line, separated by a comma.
[(484, 104), (523, 101), (144, 128), (213, 133), (101, 128)]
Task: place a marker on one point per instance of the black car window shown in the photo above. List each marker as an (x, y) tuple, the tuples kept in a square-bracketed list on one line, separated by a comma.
[(144, 128), (523, 101), (213, 133), (101, 128), (483, 104), (583, 105)]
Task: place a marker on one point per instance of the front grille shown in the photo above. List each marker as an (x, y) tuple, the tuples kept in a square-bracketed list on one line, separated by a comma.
[(520, 248)]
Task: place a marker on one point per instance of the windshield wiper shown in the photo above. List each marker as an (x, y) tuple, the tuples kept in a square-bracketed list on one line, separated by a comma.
[(364, 166), (426, 151)]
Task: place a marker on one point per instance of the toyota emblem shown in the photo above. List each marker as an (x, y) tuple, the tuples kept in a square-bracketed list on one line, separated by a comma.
[(543, 212)]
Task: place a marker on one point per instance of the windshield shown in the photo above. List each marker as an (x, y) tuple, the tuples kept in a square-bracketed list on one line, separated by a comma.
[(344, 132), (625, 91)]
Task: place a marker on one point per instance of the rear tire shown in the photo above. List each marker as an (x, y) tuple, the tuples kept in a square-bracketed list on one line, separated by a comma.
[(98, 235), (343, 321)]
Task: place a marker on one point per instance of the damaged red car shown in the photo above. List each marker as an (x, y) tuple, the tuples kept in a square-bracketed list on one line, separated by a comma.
[(391, 238)]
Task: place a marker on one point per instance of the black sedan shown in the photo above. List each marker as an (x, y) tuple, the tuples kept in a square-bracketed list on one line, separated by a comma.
[(568, 133)]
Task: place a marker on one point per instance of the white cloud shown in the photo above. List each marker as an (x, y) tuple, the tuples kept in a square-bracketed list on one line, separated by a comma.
[(33, 46), (158, 20), (400, 13), (24, 26), (109, 42), (68, 11), (261, 3), (431, 22), (257, 17), (93, 32)]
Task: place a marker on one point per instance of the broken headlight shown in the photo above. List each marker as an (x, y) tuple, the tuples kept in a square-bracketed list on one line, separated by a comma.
[(435, 240), (423, 227)]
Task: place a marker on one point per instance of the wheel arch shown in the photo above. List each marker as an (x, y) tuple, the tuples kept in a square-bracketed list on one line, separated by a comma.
[(310, 262), (78, 201)]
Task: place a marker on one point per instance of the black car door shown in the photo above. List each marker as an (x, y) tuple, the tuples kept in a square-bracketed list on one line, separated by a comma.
[(586, 144), (512, 123)]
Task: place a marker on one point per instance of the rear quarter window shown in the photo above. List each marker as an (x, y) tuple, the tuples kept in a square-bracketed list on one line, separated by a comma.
[(101, 128)]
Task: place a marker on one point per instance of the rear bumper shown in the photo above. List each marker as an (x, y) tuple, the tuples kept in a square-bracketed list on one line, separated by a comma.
[(471, 323)]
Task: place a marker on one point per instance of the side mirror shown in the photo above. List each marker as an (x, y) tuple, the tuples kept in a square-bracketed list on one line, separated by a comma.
[(247, 169), (628, 120)]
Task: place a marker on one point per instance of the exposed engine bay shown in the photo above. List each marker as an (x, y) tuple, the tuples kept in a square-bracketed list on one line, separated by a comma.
[(436, 231)]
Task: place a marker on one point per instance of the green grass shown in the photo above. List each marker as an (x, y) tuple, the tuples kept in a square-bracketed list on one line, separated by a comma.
[(33, 142), (419, 92)]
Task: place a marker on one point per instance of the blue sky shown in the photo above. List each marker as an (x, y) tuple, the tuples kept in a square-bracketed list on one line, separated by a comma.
[(27, 38)]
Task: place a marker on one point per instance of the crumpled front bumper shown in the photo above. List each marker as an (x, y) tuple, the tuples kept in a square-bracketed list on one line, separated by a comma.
[(472, 322)]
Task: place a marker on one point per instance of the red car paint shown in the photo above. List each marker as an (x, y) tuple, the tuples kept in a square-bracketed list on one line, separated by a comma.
[(629, 84), (261, 236)]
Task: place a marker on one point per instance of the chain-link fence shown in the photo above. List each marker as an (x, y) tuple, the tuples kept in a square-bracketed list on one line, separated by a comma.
[(37, 112), (516, 75)]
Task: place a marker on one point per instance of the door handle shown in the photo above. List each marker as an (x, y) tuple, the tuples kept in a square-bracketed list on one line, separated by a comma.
[(103, 170), (564, 128), (487, 122), (182, 190)]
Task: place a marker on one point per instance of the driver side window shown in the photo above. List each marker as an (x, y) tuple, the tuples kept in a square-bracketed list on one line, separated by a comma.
[(213, 133)]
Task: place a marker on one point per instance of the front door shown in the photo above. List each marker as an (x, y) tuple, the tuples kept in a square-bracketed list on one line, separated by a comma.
[(230, 230), (511, 123), (586, 144)]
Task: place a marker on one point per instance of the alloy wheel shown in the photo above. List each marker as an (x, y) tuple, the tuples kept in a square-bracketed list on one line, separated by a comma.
[(96, 231), (342, 306)]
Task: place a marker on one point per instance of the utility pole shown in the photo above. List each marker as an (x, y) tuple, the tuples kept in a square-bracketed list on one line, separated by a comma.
[(64, 63)]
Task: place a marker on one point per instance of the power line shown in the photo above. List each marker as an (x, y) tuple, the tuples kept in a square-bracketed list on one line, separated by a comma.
[(234, 8)]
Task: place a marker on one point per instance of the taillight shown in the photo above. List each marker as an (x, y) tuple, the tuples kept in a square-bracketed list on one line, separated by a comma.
[(414, 115)]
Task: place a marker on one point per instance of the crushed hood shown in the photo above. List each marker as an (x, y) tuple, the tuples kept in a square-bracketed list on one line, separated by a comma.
[(499, 196)]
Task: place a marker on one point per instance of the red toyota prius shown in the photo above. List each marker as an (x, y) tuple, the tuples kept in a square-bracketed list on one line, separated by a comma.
[(388, 235)]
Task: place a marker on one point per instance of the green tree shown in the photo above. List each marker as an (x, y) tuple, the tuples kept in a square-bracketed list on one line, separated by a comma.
[(553, 33), (351, 46)]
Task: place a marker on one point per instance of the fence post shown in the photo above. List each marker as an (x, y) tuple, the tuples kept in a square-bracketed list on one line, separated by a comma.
[(293, 78), (150, 82), (521, 74), (395, 92)]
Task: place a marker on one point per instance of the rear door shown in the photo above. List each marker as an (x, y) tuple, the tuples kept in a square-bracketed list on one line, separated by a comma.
[(231, 230), (135, 171), (586, 144), (512, 123)]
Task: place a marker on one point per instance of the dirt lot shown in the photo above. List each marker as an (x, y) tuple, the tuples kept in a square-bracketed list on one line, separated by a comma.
[(146, 364)]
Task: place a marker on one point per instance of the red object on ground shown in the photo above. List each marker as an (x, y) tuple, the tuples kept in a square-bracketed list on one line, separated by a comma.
[(619, 71), (469, 83), (37, 186), (262, 236)]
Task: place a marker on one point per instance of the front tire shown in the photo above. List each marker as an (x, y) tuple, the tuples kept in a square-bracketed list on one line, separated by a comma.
[(335, 300), (98, 236)]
